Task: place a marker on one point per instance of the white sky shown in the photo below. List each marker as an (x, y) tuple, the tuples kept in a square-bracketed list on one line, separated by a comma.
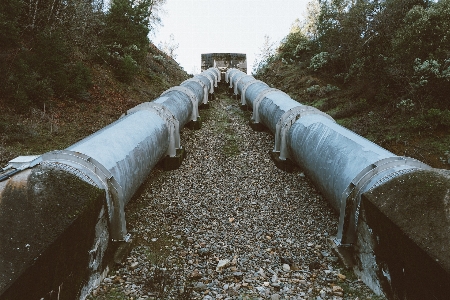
[(222, 26)]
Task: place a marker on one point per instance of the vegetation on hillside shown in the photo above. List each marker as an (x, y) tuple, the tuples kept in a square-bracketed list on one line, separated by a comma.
[(70, 67), (381, 68)]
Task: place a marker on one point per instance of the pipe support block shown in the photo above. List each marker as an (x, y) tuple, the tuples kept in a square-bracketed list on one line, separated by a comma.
[(351, 197), (90, 170)]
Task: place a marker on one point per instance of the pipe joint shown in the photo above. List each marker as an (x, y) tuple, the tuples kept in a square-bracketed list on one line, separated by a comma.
[(192, 97), (245, 87), (236, 92), (285, 123), (257, 101), (219, 74), (171, 121), (387, 169), (205, 88), (231, 78)]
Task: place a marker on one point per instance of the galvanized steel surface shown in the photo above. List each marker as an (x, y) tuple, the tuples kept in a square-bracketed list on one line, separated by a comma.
[(273, 106), (128, 148), (179, 104), (196, 88), (341, 163), (331, 154)]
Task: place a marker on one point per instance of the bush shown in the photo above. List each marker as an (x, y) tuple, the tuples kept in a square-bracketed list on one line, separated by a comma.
[(317, 90), (126, 69), (433, 119), (319, 60)]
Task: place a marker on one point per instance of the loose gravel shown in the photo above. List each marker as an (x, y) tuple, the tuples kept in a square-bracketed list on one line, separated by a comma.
[(229, 225)]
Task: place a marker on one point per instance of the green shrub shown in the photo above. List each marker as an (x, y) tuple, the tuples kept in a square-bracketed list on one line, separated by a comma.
[(433, 119), (81, 81), (126, 69)]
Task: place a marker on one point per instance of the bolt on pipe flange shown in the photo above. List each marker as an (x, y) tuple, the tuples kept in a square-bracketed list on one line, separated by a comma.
[(351, 197)]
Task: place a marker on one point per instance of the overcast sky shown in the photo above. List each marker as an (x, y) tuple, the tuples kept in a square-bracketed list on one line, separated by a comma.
[(205, 26)]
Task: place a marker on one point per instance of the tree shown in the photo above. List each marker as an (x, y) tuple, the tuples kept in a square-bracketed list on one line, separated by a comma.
[(169, 47), (267, 52)]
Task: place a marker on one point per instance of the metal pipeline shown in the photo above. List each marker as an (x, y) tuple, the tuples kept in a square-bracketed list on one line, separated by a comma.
[(116, 159), (119, 157), (342, 164)]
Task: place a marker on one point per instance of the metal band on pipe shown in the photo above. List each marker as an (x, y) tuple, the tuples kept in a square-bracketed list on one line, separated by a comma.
[(211, 89), (169, 118), (351, 197), (205, 88), (237, 83), (231, 79), (258, 100), (246, 86), (285, 123), (191, 95)]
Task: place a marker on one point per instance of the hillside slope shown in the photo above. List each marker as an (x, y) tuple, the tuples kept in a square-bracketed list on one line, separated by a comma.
[(60, 123)]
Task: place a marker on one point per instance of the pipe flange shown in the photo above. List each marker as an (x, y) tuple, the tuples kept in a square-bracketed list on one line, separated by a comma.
[(211, 89), (237, 83), (227, 75), (258, 100), (103, 179), (351, 197), (286, 121), (219, 74), (169, 118), (232, 76), (246, 86), (210, 72), (191, 95), (205, 88), (216, 76)]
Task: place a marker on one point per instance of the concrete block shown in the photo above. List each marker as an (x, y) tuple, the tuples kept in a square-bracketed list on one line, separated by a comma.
[(404, 236)]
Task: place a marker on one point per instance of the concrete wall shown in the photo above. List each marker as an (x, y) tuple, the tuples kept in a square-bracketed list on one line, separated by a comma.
[(404, 237), (54, 235)]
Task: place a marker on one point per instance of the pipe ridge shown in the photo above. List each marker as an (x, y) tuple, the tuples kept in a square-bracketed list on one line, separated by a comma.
[(192, 97), (203, 85)]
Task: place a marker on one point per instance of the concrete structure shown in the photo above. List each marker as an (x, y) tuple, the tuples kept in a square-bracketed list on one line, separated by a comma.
[(224, 61)]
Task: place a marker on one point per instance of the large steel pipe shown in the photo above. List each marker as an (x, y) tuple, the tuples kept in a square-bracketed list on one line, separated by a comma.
[(116, 159), (342, 164), (128, 148)]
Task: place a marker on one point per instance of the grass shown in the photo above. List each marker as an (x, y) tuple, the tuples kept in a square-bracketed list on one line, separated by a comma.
[(222, 112)]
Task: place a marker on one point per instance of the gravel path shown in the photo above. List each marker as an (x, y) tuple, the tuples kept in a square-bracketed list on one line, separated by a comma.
[(229, 225)]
